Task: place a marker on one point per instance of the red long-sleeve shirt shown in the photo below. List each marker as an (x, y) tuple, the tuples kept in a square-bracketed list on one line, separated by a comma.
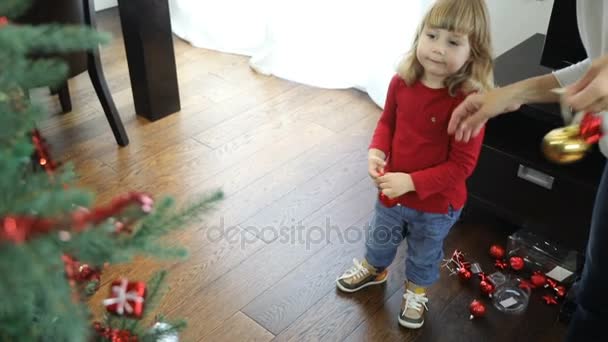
[(412, 132)]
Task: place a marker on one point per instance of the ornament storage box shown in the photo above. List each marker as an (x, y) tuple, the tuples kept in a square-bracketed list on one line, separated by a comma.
[(541, 254)]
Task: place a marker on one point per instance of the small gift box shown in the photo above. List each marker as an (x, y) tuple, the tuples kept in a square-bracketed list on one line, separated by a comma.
[(127, 298)]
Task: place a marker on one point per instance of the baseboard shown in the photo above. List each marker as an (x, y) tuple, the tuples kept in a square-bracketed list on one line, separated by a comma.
[(103, 4)]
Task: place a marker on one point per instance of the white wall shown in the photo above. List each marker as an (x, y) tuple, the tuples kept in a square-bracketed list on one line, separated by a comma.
[(513, 21), (103, 4)]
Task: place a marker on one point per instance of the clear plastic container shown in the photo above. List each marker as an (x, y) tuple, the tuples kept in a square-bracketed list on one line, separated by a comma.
[(541, 254), (511, 299)]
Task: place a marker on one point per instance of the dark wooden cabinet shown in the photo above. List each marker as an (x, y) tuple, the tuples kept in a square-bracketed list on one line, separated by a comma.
[(515, 181)]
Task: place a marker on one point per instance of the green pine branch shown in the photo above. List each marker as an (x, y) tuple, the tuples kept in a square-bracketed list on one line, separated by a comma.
[(49, 38), (41, 305), (14, 8)]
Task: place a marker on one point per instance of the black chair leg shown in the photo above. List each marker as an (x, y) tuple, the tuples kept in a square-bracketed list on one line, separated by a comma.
[(100, 85), (64, 97), (105, 97)]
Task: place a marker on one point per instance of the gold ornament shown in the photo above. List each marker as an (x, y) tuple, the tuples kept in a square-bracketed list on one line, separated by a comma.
[(565, 145)]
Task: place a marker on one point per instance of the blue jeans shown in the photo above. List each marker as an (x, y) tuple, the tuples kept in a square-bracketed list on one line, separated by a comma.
[(424, 233), (591, 316)]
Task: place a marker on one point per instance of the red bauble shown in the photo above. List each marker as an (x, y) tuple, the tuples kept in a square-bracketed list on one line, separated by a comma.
[(525, 285), (387, 201), (538, 279), (497, 252), (464, 274), (517, 263), (549, 299), (561, 291), (18, 229), (477, 309), (486, 287), (501, 264), (551, 283), (85, 272)]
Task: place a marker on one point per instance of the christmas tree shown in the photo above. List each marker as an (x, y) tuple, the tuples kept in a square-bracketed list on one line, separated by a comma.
[(53, 241)]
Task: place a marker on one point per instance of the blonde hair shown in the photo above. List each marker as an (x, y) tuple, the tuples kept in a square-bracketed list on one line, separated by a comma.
[(468, 17)]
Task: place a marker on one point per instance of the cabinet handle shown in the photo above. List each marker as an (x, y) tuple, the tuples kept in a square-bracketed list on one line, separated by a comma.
[(535, 176)]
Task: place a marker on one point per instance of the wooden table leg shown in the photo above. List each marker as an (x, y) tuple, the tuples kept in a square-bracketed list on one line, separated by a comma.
[(146, 27)]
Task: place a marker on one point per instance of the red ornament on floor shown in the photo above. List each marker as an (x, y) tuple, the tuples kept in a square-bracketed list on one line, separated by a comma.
[(497, 251), (526, 285), (486, 287), (501, 264), (549, 299), (517, 263), (551, 283), (477, 309), (560, 291), (538, 279), (464, 274)]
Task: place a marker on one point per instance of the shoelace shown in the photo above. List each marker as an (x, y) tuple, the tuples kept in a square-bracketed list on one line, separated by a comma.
[(356, 272), (414, 301)]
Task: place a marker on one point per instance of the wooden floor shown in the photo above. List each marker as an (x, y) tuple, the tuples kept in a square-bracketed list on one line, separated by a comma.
[(289, 157)]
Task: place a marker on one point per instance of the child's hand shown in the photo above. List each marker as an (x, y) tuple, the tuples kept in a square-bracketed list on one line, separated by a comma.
[(375, 164), (375, 167), (395, 184)]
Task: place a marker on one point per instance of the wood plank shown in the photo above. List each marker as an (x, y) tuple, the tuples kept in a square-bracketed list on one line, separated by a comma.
[(337, 314), (281, 305), (208, 165), (339, 108), (92, 171), (321, 189), (173, 129), (187, 284), (239, 328), (256, 182), (279, 109), (228, 294), (174, 155)]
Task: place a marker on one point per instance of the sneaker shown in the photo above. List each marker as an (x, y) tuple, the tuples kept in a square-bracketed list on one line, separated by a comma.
[(412, 309), (359, 276)]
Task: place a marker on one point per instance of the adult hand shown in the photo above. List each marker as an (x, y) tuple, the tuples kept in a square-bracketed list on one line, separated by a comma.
[(471, 115), (590, 93)]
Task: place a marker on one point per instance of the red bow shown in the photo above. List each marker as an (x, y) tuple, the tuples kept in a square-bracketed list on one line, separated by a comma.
[(591, 128)]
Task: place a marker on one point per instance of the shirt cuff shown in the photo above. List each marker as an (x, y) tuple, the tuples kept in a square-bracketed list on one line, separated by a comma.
[(573, 73)]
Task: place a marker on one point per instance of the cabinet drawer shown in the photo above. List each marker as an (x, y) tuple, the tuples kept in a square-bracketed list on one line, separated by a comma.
[(543, 202)]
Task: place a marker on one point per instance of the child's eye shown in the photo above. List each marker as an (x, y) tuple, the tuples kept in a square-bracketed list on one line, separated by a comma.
[(430, 35), (453, 42)]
